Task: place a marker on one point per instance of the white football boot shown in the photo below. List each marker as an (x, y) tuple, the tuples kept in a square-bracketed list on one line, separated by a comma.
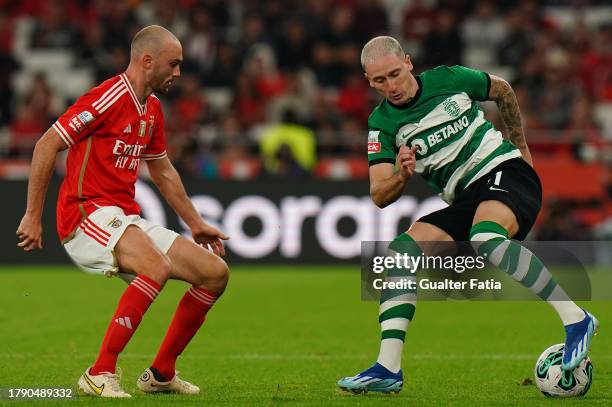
[(102, 385), (148, 384)]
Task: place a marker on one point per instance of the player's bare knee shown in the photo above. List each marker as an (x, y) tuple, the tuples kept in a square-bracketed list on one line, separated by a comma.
[(221, 273), (217, 276)]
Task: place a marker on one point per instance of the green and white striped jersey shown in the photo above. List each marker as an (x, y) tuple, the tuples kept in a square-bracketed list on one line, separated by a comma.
[(456, 144)]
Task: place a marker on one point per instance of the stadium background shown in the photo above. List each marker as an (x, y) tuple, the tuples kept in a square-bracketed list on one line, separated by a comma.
[(272, 96), (267, 126)]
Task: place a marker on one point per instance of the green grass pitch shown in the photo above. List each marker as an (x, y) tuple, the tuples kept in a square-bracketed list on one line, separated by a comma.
[(283, 336)]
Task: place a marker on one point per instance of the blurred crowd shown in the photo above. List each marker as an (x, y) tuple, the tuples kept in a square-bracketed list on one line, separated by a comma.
[(274, 87)]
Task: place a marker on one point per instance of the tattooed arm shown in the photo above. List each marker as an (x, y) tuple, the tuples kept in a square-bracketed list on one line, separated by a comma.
[(501, 92)]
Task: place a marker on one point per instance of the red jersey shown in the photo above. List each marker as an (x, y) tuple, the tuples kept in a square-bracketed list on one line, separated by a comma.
[(108, 131)]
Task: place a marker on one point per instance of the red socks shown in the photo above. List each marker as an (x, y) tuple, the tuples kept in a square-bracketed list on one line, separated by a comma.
[(188, 318), (133, 304)]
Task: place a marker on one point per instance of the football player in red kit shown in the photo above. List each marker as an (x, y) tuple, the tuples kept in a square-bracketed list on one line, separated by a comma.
[(108, 131)]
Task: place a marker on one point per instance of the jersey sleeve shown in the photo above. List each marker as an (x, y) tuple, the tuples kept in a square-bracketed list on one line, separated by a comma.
[(380, 147), (472, 81), (156, 148), (82, 118)]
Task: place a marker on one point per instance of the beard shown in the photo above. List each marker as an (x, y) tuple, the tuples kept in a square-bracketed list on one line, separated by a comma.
[(162, 88)]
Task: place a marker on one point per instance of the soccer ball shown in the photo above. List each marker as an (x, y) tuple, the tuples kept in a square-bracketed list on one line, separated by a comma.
[(554, 382)]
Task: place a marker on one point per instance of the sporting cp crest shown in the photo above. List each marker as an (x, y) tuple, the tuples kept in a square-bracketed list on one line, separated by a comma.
[(451, 107)]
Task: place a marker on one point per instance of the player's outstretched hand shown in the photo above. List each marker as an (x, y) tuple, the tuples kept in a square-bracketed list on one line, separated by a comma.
[(406, 161), (206, 235), (29, 233)]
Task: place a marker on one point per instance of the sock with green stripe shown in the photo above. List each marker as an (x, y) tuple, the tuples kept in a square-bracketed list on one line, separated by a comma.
[(397, 306), (490, 239)]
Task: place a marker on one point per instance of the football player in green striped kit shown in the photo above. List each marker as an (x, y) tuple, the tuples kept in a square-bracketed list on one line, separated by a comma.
[(432, 125)]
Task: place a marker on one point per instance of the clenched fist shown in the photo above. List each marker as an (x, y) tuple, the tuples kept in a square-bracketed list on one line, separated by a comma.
[(406, 161)]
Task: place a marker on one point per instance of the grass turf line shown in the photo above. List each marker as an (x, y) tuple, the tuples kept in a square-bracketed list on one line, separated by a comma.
[(283, 336)]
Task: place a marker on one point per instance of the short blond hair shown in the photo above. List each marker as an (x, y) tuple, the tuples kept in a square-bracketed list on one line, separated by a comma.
[(378, 47)]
